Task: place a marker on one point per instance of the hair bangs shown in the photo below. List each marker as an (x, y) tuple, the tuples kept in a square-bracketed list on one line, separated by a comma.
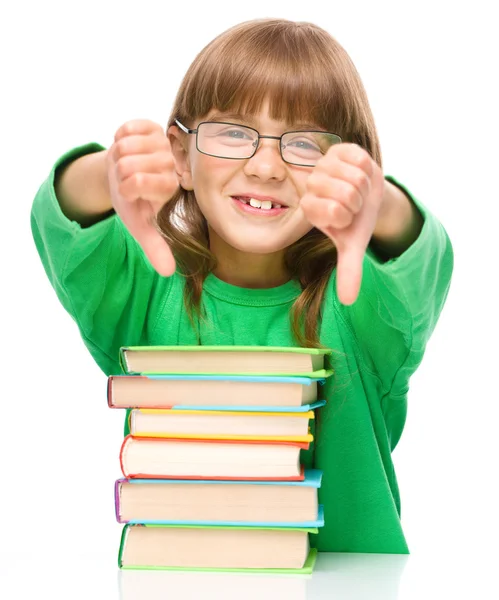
[(292, 67)]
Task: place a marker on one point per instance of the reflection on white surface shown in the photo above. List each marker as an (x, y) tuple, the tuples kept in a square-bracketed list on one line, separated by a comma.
[(156, 585), (336, 575), (357, 576), (66, 574)]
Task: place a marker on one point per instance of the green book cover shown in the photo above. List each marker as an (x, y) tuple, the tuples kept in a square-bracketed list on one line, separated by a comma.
[(318, 374), (305, 570), (193, 348)]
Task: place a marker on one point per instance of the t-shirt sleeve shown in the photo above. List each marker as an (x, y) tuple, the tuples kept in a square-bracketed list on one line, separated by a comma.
[(400, 302), (99, 273)]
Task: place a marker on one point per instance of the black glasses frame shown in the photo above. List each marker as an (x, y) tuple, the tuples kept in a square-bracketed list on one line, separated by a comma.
[(256, 146)]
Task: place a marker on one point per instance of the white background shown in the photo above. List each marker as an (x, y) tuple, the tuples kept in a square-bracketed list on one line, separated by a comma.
[(72, 73)]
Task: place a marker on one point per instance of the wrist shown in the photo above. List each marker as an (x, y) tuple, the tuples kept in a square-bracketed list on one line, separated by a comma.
[(399, 222), (82, 188)]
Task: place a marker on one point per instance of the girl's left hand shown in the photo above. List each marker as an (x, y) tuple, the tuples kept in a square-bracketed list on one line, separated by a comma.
[(343, 198)]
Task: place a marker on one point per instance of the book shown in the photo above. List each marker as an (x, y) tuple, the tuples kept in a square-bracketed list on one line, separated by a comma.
[(215, 547), (160, 584), (168, 391), (242, 360), (179, 458), (204, 424), (228, 502)]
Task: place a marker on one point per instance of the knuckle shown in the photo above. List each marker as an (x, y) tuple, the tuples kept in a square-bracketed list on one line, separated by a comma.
[(137, 180), (122, 168), (318, 180), (361, 180), (132, 187), (350, 193), (357, 154), (127, 128), (152, 127), (335, 210), (124, 131), (121, 148), (363, 160)]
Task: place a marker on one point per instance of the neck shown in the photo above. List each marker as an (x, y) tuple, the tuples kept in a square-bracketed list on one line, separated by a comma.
[(246, 269)]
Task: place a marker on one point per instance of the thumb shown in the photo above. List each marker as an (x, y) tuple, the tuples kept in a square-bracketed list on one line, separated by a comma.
[(349, 273), (158, 252), (146, 231)]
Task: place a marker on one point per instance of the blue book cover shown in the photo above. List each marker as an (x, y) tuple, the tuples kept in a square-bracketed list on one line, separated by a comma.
[(313, 478)]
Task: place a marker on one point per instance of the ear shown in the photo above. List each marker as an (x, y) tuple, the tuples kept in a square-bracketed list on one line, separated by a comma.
[(180, 152)]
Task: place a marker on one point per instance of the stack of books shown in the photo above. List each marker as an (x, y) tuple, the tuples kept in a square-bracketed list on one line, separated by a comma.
[(212, 473)]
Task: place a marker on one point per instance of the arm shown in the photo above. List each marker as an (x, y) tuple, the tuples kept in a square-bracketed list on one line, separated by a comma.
[(82, 188), (399, 223), (401, 297), (99, 272), (400, 301)]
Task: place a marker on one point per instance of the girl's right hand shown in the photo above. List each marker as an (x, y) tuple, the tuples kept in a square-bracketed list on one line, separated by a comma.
[(142, 178)]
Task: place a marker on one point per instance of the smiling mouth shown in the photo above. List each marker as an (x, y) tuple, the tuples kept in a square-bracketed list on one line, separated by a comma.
[(264, 208), (264, 204)]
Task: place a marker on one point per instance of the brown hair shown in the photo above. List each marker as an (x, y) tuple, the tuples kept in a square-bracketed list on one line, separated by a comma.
[(305, 74)]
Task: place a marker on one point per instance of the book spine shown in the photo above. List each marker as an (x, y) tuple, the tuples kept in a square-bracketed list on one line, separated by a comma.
[(124, 534), (117, 499), (124, 445), (122, 360)]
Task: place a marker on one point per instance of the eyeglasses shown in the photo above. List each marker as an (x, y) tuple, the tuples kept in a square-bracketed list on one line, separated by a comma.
[(228, 140)]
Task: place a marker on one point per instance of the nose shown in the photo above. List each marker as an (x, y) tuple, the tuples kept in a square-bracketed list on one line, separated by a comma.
[(267, 161)]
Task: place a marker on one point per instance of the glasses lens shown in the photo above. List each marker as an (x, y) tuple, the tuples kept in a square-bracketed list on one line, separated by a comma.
[(226, 140), (307, 147)]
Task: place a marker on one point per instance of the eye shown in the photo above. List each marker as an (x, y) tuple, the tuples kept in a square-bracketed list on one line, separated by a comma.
[(236, 133), (303, 144)]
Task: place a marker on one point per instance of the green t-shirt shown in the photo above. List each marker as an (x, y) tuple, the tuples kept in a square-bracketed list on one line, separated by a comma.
[(105, 282)]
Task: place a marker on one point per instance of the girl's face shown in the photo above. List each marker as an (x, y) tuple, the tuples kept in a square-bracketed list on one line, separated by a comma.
[(218, 182)]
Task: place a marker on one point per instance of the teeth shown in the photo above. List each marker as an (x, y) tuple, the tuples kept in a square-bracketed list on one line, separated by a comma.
[(265, 204)]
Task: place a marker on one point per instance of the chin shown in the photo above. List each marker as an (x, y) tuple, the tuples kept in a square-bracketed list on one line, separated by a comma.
[(264, 245)]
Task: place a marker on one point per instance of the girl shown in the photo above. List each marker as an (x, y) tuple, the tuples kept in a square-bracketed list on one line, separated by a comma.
[(262, 218)]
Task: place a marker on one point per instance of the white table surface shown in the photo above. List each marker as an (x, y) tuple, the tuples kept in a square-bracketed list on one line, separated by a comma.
[(71, 574)]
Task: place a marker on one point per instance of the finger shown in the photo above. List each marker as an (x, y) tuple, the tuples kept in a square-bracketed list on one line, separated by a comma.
[(158, 162), (352, 154), (152, 187), (324, 212), (333, 184), (139, 144), (137, 127), (349, 273), (140, 221)]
